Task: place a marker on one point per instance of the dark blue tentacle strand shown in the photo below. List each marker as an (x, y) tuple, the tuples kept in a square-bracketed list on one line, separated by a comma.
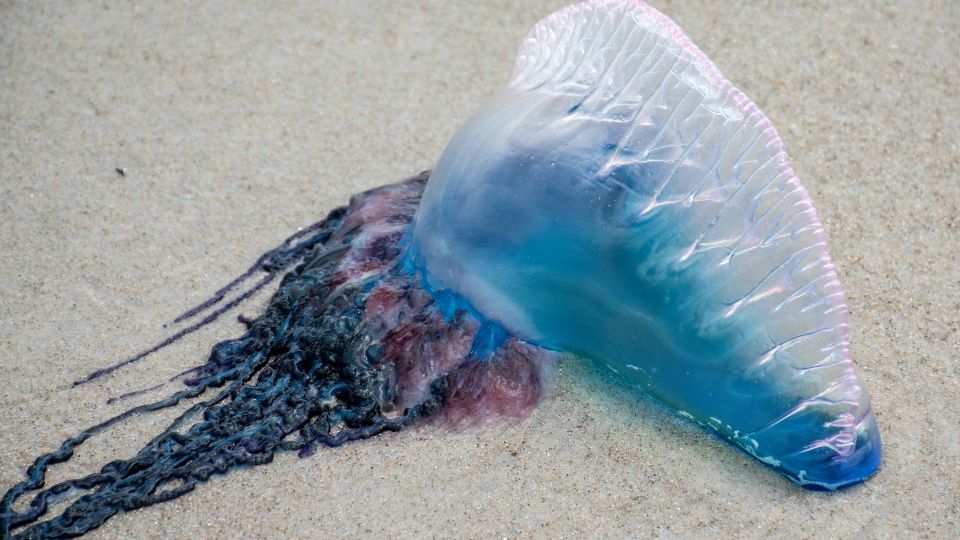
[(273, 263), (299, 377)]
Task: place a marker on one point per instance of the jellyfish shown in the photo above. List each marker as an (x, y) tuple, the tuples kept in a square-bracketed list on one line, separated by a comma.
[(618, 200)]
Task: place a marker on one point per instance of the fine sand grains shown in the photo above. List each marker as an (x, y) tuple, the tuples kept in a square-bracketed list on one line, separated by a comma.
[(234, 125)]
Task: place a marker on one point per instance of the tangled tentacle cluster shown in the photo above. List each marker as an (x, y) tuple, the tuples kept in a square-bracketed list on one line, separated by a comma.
[(349, 346)]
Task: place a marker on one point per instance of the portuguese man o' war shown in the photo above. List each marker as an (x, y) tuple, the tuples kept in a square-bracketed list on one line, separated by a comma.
[(619, 200)]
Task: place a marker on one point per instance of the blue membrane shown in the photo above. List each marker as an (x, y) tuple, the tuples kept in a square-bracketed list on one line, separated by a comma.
[(626, 204), (490, 335)]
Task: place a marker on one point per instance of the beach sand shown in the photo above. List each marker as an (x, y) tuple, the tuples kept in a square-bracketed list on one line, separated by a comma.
[(237, 125)]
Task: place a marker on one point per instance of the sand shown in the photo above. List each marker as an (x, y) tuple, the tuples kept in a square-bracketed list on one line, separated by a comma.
[(236, 125)]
